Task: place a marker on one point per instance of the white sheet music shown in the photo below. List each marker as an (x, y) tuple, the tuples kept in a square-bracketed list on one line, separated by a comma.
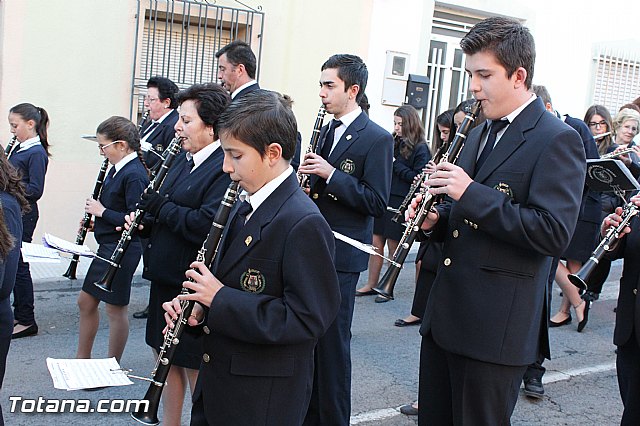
[(74, 374), (39, 253), (66, 246)]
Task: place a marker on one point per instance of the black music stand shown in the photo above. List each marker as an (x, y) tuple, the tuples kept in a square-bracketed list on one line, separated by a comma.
[(610, 175)]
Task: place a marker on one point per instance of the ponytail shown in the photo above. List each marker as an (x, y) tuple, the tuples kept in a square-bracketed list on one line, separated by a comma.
[(39, 115)]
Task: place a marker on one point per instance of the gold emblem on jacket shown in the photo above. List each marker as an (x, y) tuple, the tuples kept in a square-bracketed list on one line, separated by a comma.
[(252, 281), (504, 188), (348, 166)]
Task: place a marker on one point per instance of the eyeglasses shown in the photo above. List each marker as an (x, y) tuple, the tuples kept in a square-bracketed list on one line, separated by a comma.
[(150, 99), (599, 123), (630, 128), (103, 147)]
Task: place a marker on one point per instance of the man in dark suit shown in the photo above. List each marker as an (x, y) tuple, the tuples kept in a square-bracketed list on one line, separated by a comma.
[(514, 207), (350, 183), (158, 132), (626, 335), (274, 292), (237, 69), (237, 66), (582, 244)]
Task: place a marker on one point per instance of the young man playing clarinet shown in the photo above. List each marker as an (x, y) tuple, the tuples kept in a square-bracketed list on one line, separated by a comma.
[(516, 190), (274, 290), (350, 182)]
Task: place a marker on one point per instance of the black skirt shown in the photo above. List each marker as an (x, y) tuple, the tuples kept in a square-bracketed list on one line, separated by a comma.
[(385, 226), (583, 241), (121, 284), (189, 352)]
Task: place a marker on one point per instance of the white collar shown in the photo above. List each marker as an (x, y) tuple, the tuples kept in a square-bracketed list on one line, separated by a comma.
[(257, 198), (29, 143), (161, 119), (518, 110), (244, 86), (350, 117), (203, 154), (123, 162)]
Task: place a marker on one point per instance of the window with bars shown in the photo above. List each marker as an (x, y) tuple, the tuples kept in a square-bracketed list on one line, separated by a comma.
[(445, 66), (617, 77), (178, 40)]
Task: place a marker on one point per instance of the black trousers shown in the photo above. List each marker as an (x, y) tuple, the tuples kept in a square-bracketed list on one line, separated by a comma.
[(331, 394), (628, 366), (456, 390)]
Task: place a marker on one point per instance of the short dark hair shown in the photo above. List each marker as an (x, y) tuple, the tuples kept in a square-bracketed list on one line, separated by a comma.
[(260, 118), (510, 42), (542, 93), (351, 69), (210, 100), (167, 89), (238, 52)]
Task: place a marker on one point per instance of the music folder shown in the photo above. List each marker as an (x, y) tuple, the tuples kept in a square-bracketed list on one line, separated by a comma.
[(610, 175)]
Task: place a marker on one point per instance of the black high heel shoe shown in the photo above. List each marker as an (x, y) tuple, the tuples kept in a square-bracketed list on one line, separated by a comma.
[(582, 324), (561, 323)]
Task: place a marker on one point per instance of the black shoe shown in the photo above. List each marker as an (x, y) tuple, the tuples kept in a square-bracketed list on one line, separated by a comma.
[(590, 296), (382, 299), (403, 323), (409, 410), (582, 324), (32, 330), (142, 314), (533, 388), (365, 293), (561, 323)]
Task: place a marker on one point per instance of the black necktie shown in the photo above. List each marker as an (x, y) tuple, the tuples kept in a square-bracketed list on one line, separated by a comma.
[(328, 139), (149, 129), (238, 221), (112, 171), (496, 126)]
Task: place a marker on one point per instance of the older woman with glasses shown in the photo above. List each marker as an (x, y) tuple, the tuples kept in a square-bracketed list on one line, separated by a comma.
[(625, 127)]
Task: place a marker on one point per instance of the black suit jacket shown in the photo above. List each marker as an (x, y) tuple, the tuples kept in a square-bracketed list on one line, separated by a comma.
[(160, 138), (628, 309), (280, 295), (184, 221), (246, 90), (488, 301), (359, 189), (591, 207)]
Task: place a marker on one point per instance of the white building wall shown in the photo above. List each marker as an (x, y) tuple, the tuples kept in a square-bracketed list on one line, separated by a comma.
[(75, 58)]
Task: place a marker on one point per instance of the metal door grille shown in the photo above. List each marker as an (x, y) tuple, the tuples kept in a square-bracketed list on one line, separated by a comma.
[(180, 38)]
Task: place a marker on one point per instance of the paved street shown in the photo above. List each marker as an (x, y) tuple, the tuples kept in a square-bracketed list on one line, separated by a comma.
[(581, 386)]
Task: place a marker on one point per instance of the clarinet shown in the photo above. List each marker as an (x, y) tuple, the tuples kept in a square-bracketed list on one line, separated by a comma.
[(207, 255), (415, 186), (313, 144), (9, 147), (86, 222), (127, 234), (580, 278), (388, 281), (143, 120)]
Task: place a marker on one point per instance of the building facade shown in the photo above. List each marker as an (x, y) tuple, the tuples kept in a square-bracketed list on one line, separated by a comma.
[(86, 60)]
